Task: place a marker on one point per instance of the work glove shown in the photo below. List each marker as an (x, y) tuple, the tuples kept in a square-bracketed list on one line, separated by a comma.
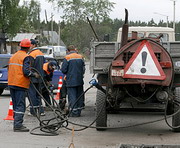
[(36, 75)]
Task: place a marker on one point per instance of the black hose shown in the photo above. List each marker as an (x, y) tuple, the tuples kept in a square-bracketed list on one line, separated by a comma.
[(62, 120), (45, 125)]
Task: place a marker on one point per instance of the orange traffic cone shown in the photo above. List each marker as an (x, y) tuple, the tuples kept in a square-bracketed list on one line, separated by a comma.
[(10, 112), (59, 87)]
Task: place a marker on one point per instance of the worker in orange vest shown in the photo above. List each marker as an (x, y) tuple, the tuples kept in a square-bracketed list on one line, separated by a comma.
[(36, 107), (48, 74), (18, 82)]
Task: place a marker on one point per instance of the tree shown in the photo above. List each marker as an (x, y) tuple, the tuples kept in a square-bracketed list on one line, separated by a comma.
[(75, 10), (32, 21), (34, 14), (11, 17), (77, 31), (98, 10)]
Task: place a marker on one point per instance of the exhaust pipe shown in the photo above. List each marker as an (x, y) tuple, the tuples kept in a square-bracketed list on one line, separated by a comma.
[(125, 28)]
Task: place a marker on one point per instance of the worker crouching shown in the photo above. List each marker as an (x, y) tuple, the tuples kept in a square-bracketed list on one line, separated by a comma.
[(48, 74)]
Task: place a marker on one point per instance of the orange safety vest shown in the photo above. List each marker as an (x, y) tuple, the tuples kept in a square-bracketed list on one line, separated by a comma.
[(73, 56), (45, 68), (36, 52), (15, 70)]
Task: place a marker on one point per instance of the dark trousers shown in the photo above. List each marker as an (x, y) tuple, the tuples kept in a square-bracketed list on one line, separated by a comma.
[(19, 106), (35, 99), (63, 90), (46, 96), (73, 96)]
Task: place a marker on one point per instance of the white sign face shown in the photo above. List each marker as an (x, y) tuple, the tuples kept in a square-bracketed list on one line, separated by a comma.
[(143, 64)]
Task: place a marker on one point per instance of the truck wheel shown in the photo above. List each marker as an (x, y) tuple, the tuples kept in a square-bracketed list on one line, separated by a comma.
[(101, 113), (1, 91), (176, 117)]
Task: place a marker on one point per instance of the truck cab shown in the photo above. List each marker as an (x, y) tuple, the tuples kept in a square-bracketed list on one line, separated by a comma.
[(57, 52), (151, 32)]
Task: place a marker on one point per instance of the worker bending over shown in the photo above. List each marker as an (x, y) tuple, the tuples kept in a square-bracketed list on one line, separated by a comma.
[(48, 74)]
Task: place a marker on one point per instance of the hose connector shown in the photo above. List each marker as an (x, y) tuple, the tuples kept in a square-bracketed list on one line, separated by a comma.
[(93, 82)]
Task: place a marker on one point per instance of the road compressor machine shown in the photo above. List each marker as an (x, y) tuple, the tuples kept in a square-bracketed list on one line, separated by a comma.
[(138, 71)]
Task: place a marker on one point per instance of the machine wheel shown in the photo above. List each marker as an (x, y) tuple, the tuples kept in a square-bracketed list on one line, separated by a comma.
[(101, 110), (176, 117), (1, 91)]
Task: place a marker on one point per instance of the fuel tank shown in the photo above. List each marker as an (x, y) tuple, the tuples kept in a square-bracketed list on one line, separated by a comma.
[(142, 61)]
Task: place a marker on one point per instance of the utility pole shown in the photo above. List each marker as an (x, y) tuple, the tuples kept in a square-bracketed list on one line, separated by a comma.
[(52, 28), (165, 16), (47, 27), (59, 40), (174, 5)]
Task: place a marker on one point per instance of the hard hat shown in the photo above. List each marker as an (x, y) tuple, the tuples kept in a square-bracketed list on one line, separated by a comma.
[(53, 64), (25, 43)]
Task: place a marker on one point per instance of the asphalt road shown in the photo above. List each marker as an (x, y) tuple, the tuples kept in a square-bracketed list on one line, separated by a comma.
[(157, 133)]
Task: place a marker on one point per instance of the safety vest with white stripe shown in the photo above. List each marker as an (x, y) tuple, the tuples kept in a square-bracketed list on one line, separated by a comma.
[(15, 70)]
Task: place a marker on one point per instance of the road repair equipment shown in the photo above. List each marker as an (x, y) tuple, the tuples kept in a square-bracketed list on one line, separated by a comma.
[(50, 126), (58, 118), (10, 112), (59, 88), (137, 73), (141, 74)]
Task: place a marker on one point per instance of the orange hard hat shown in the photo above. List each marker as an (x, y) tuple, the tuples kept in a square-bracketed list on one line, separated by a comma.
[(25, 43)]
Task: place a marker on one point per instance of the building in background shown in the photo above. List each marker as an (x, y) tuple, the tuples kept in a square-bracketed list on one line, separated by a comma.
[(13, 44), (44, 39)]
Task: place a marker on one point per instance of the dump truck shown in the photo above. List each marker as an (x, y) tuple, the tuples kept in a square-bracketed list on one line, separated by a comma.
[(139, 71)]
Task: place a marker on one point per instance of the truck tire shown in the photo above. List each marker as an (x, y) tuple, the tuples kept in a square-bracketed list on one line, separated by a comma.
[(101, 113), (176, 117), (1, 91)]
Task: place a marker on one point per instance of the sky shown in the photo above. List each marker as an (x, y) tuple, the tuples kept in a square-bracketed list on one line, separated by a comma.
[(143, 10)]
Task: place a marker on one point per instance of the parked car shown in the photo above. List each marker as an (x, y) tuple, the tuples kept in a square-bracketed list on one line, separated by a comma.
[(4, 58)]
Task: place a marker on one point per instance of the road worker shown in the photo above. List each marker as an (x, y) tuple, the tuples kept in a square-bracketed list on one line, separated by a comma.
[(18, 82), (74, 68), (36, 107), (48, 74)]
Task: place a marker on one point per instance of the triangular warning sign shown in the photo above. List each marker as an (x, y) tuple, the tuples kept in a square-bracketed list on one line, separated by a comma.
[(144, 64)]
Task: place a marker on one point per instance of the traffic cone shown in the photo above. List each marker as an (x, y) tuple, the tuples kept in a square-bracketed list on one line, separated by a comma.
[(10, 112), (59, 87)]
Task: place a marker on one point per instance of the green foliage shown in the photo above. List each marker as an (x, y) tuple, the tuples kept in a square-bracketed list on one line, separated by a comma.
[(75, 10), (34, 14), (11, 16), (32, 21)]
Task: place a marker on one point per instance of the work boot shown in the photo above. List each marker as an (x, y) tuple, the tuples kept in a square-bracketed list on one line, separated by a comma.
[(21, 129)]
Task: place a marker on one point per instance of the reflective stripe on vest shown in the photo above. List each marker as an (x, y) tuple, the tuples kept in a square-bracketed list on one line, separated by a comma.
[(15, 70), (73, 56)]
